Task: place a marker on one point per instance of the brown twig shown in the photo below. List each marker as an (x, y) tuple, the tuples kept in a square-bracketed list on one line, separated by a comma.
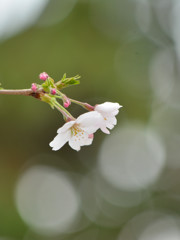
[(24, 92)]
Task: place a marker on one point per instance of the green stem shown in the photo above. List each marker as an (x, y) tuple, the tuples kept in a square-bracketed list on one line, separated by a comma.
[(65, 113), (60, 93), (82, 104)]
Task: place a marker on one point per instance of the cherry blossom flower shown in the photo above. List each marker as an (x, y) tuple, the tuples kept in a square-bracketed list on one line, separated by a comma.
[(108, 110), (78, 132)]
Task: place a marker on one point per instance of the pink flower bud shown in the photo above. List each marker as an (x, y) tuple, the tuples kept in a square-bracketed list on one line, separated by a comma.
[(67, 103), (53, 91), (34, 87), (43, 76)]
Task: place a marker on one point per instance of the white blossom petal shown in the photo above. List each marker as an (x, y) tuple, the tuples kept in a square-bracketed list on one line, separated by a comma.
[(74, 145), (115, 112), (60, 140), (108, 111), (105, 130), (79, 139), (109, 125), (65, 127), (107, 107), (90, 122), (113, 120), (110, 122)]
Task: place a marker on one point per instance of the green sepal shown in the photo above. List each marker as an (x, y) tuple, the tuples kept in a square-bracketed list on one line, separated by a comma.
[(67, 82), (48, 99), (48, 84)]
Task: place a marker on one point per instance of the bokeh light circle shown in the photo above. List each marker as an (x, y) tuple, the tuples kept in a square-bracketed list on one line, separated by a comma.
[(56, 12), (46, 200), (132, 158), (114, 18), (163, 74), (143, 15), (119, 197), (16, 15), (162, 229), (98, 210), (151, 225)]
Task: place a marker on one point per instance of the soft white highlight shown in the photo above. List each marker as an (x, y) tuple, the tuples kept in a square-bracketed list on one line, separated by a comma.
[(16, 15), (132, 158), (46, 200)]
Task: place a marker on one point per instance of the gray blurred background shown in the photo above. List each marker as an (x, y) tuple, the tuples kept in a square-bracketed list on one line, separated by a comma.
[(126, 186)]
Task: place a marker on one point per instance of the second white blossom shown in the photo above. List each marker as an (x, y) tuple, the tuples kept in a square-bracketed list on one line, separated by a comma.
[(108, 111)]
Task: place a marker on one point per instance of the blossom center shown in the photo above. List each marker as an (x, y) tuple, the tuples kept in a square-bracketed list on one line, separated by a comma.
[(77, 132)]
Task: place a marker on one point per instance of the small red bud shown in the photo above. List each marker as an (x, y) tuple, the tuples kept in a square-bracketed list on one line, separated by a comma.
[(67, 103), (34, 87), (53, 91), (43, 76)]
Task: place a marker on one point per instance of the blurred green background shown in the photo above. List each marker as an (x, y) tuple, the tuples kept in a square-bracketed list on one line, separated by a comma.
[(125, 186)]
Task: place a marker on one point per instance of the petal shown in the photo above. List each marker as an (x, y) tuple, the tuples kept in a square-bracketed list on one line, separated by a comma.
[(115, 112), (65, 127), (80, 139), (74, 145), (90, 122), (60, 140), (91, 136), (112, 120), (105, 130), (109, 125), (107, 107)]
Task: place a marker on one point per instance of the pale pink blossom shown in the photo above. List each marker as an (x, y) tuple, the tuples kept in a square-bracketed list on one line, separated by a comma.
[(78, 132), (108, 111)]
